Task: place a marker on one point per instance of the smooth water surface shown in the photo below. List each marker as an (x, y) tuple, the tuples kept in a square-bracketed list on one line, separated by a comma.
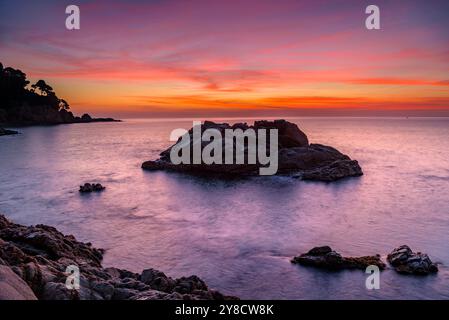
[(239, 235)]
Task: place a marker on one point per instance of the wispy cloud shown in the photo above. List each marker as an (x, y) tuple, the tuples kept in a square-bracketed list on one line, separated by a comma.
[(232, 54)]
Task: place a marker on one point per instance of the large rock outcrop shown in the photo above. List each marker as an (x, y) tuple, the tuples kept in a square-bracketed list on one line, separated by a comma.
[(296, 156), (326, 258), (39, 255)]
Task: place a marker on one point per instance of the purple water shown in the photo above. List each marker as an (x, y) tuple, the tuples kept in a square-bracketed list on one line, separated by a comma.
[(240, 235)]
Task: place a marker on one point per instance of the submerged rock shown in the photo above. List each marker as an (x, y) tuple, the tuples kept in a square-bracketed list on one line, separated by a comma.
[(6, 132), (94, 187), (404, 260), (39, 255), (324, 257), (295, 155)]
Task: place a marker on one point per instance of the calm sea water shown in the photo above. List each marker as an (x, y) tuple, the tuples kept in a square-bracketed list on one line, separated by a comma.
[(240, 235)]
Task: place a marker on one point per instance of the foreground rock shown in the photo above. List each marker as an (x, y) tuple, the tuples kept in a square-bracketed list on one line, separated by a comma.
[(295, 156), (404, 260), (39, 255), (94, 187), (326, 258), (12, 287), (6, 132)]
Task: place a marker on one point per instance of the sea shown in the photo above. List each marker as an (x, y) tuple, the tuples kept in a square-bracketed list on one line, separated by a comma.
[(239, 235)]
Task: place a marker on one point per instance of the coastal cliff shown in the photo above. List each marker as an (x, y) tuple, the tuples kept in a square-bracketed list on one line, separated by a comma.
[(22, 103)]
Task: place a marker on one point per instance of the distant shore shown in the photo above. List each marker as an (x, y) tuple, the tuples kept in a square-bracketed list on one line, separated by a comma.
[(51, 123)]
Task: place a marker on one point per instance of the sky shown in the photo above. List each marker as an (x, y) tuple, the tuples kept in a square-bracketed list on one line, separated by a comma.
[(241, 58)]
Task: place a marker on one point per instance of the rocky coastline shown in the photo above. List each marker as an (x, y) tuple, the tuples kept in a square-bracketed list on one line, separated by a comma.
[(34, 261), (296, 156)]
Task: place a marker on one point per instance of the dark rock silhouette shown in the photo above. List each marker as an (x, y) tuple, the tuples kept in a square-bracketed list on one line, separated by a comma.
[(38, 104), (326, 258), (404, 260), (6, 132), (296, 156), (39, 255), (94, 187)]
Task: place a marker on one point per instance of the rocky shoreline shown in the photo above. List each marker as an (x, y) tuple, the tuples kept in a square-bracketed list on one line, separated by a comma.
[(296, 156), (34, 260)]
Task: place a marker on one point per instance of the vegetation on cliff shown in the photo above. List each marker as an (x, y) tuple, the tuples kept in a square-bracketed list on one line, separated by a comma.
[(23, 103)]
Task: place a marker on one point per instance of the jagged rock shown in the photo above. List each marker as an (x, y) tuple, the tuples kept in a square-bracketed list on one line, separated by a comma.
[(40, 254), (325, 257), (157, 280), (404, 260), (295, 156), (94, 187)]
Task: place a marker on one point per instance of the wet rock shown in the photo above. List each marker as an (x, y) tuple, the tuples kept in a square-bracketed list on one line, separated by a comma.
[(6, 132), (296, 156), (324, 257), (94, 187), (404, 260), (39, 256), (190, 284), (334, 171), (157, 280)]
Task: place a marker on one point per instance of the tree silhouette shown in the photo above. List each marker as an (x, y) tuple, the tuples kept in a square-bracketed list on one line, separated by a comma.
[(43, 87), (20, 102), (63, 105), (12, 83)]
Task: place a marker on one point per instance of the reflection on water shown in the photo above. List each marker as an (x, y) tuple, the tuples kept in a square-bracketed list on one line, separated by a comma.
[(239, 235)]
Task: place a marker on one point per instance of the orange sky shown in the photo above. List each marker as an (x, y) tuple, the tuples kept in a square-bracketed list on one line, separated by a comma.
[(172, 58)]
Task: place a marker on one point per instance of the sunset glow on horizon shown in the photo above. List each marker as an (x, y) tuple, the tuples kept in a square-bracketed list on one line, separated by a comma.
[(166, 57)]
